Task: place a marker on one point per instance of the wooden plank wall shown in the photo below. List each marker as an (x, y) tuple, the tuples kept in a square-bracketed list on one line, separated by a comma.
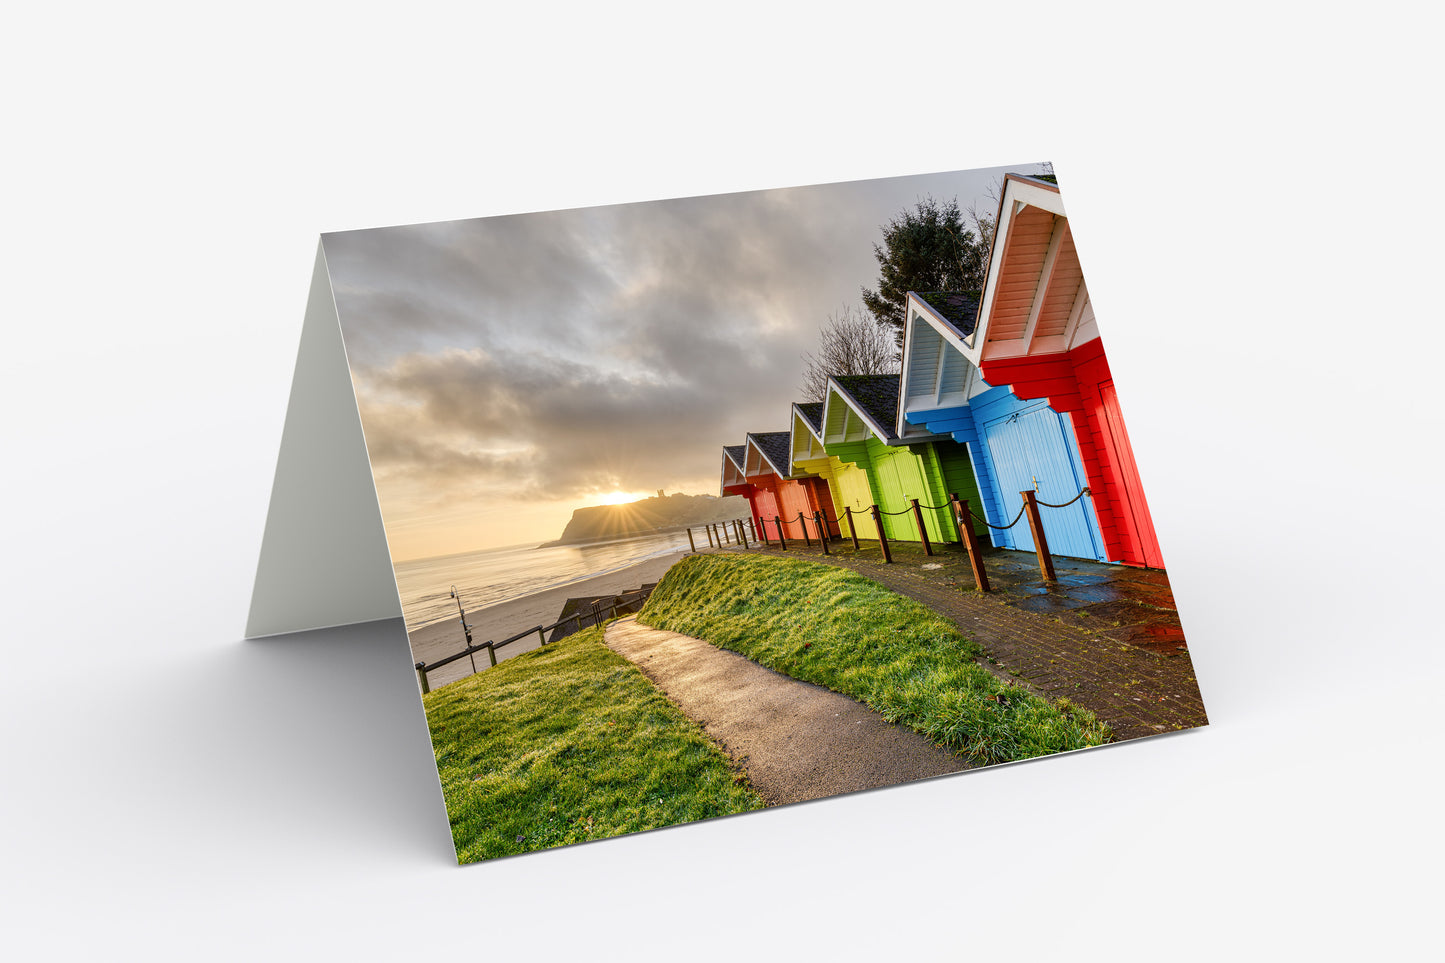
[(1071, 382)]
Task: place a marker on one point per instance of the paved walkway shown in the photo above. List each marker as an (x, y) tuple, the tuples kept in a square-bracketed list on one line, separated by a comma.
[(1105, 636), (796, 740)]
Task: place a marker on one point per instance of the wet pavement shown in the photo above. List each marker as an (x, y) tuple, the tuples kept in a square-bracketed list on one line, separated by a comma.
[(1126, 604), (1107, 637)]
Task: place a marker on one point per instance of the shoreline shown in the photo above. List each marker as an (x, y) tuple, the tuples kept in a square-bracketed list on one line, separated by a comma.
[(501, 619)]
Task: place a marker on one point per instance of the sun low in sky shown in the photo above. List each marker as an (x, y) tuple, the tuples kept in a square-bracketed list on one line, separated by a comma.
[(618, 498)]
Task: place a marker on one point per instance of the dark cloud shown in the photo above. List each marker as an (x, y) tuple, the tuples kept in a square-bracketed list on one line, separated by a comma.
[(533, 427)]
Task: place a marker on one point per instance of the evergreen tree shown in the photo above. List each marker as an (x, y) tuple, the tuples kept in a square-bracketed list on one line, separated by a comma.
[(924, 249)]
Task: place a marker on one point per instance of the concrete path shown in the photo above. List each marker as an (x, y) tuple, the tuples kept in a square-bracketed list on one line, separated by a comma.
[(797, 740)]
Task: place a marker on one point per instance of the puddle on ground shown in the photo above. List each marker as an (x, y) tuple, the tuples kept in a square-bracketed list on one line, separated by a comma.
[(1095, 593), (1080, 579), (1082, 594), (1049, 604)]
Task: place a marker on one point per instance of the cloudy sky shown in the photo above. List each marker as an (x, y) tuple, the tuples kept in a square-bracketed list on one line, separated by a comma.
[(511, 369)]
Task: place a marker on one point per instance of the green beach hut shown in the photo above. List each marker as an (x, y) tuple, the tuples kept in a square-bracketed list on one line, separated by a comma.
[(857, 430)]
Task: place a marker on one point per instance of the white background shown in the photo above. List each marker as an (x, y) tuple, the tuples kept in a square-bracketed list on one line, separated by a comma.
[(1254, 200)]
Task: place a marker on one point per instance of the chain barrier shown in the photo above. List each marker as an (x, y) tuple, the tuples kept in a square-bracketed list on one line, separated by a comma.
[(1001, 527), (1081, 494), (974, 515)]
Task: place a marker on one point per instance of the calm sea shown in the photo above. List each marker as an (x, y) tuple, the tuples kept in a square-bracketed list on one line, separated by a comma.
[(502, 574)]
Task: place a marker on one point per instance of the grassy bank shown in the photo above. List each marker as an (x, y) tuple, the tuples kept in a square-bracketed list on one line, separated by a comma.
[(839, 629), (567, 744)]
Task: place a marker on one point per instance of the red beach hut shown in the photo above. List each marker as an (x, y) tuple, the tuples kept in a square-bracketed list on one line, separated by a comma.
[(1036, 332), (784, 496)]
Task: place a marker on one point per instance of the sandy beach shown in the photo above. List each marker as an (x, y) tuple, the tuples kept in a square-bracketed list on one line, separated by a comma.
[(432, 642)]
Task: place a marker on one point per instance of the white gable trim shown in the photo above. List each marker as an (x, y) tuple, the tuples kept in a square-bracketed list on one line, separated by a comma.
[(1017, 194), (920, 310), (814, 441)]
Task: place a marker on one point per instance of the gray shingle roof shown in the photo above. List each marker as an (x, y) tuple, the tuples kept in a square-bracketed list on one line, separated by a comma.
[(875, 394), (738, 454), (958, 308), (773, 444), (813, 412)]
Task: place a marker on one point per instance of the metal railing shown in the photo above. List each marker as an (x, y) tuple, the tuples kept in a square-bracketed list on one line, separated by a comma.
[(603, 607)]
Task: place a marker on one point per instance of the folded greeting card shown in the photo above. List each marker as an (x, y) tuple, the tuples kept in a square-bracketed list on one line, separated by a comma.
[(700, 506)]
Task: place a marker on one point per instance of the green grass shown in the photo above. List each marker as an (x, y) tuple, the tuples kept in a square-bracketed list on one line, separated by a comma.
[(833, 627), (567, 744)]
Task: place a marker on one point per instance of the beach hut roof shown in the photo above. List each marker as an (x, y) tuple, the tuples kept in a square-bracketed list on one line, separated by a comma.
[(875, 397), (773, 446), (805, 443), (939, 367), (812, 413), (734, 469), (958, 309)]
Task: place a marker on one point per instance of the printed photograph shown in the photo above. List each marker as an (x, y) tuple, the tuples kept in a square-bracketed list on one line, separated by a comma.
[(706, 505)]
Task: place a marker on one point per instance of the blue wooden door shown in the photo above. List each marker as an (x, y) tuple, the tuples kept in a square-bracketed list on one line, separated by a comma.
[(1030, 450)]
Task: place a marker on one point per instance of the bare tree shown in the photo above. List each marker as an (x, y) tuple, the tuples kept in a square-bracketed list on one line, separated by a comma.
[(851, 341)]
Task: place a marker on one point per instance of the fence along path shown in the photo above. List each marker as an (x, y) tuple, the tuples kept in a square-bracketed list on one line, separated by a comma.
[(959, 510), (603, 608)]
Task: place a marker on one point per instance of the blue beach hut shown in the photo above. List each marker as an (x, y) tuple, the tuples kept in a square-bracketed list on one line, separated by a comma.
[(1014, 444)]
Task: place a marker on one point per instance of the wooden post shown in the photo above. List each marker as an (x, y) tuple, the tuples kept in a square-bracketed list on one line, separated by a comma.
[(492, 652), (421, 674), (922, 532), (822, 534), (852, 527), (690, 543), (760, 532), (1041, 544), (541, 636), (782, 538), (882, 538), (970, 542), (707, 529), (957, 519), (742, 533), (804, 523)]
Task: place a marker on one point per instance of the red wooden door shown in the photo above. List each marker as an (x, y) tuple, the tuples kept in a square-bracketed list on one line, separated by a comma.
[(1122, 454), (793, 499), (765, 503)]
